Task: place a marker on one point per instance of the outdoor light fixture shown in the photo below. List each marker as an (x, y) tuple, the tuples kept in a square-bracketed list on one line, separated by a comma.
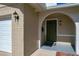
[(60, 22), (42, 29), (16, 16)]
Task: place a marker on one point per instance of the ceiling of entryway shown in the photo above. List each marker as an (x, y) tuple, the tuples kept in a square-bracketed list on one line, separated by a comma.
[(47, 6)]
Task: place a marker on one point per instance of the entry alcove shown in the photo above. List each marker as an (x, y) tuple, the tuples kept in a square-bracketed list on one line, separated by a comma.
[(65, 29)]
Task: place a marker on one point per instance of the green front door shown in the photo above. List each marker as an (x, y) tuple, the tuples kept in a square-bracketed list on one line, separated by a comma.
[(51, 32)]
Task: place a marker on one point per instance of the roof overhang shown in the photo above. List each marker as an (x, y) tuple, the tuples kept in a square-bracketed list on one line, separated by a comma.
[(42, 6)]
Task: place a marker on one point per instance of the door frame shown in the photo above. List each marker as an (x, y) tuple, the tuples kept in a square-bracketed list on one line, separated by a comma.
[(45, 28), (56, 26)]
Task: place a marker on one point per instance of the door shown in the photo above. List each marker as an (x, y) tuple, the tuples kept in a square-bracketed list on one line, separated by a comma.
[(51, 32), (6, 35)]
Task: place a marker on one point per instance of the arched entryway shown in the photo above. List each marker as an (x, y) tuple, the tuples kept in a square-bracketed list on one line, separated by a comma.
[(58, 28)]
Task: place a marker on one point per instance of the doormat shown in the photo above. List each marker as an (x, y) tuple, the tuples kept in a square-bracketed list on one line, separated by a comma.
[(48, 43)]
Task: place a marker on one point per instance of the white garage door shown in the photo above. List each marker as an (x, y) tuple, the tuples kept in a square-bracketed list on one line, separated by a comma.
[(6, 35)]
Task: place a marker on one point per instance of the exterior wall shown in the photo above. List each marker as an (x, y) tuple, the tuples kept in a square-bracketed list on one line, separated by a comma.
[(30, 30), (43, 33), (18, 34), (72, 12), (17, 27)]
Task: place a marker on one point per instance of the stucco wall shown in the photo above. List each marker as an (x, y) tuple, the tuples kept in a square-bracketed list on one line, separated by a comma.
[(43, 33), (30, 30)]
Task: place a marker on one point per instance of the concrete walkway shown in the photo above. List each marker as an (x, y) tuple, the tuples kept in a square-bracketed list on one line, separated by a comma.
[(60, 46), (43, 52), (51, 51)]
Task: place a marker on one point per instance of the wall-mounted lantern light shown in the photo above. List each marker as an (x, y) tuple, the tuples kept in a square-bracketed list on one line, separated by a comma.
[(42, 29), (16, 16), (60, 22)]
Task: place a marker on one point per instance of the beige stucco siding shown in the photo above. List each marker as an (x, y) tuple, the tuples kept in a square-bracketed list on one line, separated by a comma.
[(30, 30)]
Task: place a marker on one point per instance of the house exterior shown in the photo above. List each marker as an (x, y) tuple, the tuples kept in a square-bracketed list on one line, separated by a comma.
[(28, 20)]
